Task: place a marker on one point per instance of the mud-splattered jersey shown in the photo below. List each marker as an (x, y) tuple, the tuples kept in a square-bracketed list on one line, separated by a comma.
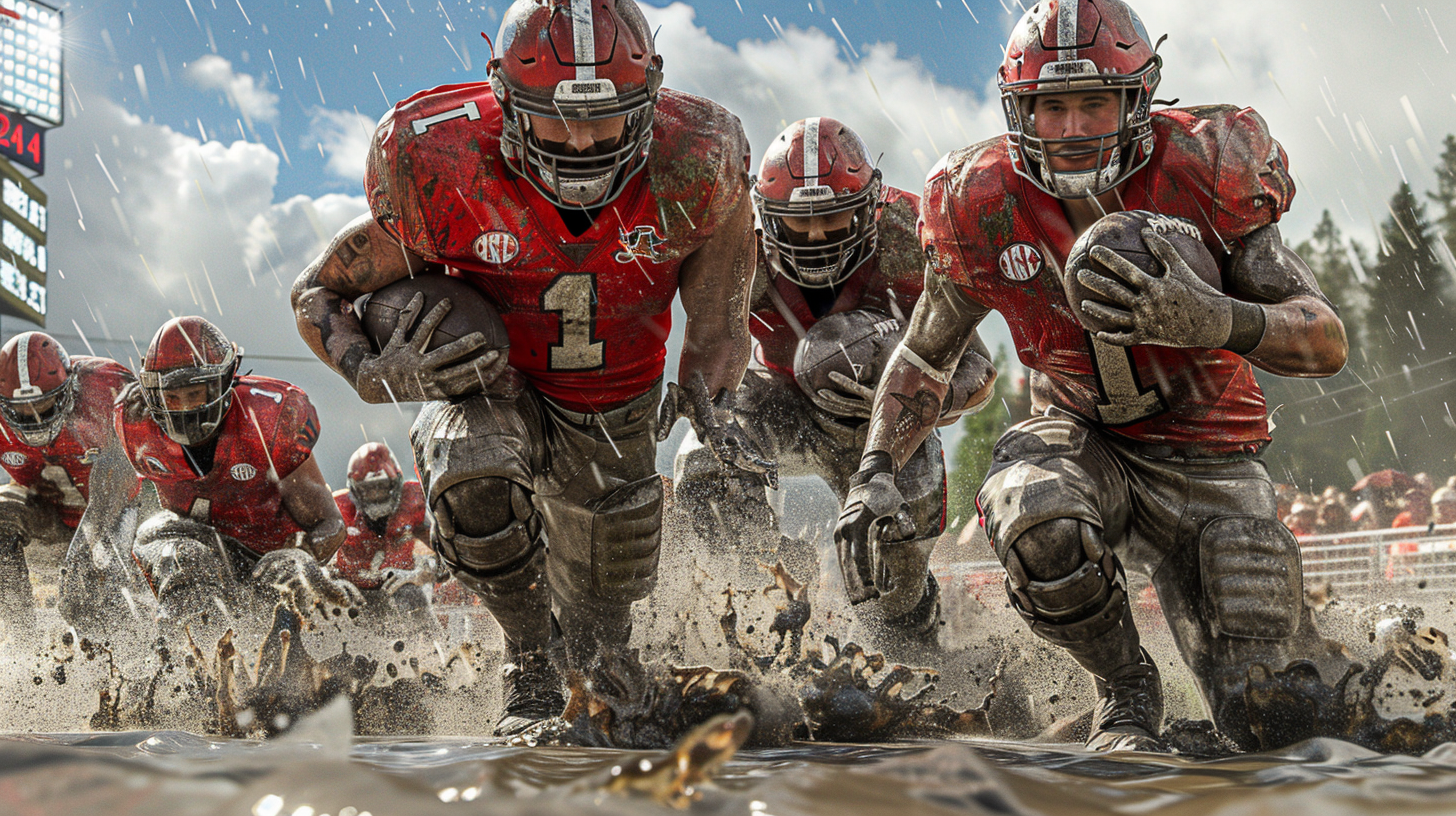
[(890, 282), (268, 431), (66, 462), (366, 552), (587, 315), (1005, 242)]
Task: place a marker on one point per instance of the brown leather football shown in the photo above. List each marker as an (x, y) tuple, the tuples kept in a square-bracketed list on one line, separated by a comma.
[(856, 343), (1122, 233), (469, 311)]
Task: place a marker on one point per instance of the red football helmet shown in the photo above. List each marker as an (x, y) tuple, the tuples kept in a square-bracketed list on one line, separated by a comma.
[(375, 480), (1063, 46), (37, 388), (576, 60), (818, 166), (191, 361)]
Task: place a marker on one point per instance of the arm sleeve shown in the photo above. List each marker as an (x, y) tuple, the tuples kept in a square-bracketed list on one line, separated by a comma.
[(295, 434)]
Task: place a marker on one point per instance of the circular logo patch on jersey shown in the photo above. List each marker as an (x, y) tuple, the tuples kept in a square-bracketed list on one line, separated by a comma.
[(1021, 262), (243, 472), (13, 458), (497, 247)]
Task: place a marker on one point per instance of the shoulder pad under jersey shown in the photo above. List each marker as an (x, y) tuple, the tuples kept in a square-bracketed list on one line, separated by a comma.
[(441, 130), (1231, 154), (698, 162)]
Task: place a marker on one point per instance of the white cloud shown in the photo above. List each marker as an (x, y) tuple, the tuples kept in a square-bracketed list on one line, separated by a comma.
[(244, 93), (193, 228), (893, 103), (344, 136)]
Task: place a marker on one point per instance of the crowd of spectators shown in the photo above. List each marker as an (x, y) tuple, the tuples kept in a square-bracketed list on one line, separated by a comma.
[(1405, 501)]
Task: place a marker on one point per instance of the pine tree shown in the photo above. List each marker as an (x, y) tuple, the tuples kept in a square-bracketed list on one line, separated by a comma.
[(1445, 193), (1410, 322)]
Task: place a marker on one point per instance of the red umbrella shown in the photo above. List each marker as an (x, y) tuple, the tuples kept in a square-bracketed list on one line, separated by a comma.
[(1387, 479)]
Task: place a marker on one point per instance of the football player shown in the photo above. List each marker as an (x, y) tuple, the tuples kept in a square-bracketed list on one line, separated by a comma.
[(57, 421), (579, 197), (1143, 453), (244, 509), (384, 517), (838, 250)]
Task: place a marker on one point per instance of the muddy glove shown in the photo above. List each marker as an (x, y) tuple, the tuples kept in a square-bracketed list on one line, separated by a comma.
[(875, 513), (404, 372), (1177, 309), (302, 583), (716, 427), (426, 571), (854, 400)]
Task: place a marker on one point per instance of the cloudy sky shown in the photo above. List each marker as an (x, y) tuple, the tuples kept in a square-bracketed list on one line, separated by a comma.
[(212, 146)]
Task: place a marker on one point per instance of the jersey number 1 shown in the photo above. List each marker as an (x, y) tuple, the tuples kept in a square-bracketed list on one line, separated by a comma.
[(573, 296), (1124, 402)]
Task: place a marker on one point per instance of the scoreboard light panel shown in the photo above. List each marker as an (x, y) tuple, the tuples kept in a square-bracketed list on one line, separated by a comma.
[(22, 246), (30, 59)]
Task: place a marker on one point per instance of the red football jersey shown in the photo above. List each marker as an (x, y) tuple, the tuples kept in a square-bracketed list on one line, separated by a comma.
[(890, 282), (588, 315), (1006, 242), (268, 431), (366, 552), (66, 462)]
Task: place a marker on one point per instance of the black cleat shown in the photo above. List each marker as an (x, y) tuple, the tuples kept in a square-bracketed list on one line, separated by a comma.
[(1129, 712), (532, 693)]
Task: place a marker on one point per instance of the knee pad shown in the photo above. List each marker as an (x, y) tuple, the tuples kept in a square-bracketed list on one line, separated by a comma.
[(499, 519), (1089, 596), (607, 547), (1252, 581)]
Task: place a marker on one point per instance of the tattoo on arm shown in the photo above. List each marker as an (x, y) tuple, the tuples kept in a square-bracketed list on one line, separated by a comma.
[(916, 413)]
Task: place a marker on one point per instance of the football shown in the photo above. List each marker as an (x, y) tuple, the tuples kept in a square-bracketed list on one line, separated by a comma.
[(469, 312), (856, 343), (1122, 233)]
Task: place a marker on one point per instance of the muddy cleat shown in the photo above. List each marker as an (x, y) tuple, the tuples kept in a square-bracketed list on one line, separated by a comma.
[(532, 693), (1129, 712)]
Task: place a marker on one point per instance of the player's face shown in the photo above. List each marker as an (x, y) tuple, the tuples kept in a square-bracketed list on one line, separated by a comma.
[(1073, 115), (186, 398), (38, 411), (818, 229), (581, 137)]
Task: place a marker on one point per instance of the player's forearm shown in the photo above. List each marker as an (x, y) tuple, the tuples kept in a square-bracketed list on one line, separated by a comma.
[(716, 284), (308, 501), (327, 323), (972, 384), (1303, 337), (912, 393)]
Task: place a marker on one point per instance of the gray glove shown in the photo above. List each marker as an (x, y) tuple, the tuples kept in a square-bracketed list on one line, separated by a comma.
[(717, 428), (302, 583), (404, 372), (1177, 309), (874, 513)]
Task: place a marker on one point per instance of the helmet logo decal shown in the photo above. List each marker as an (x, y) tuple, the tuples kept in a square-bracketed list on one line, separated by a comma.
[(243, 472), (496, 247), (1021, 262), (641, 242), (584, 39), (1067, 28), (13, 458), (811, 152), (468, 110)]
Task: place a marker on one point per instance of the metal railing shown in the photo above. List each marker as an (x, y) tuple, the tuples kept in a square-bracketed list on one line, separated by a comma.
[(1355, 564)]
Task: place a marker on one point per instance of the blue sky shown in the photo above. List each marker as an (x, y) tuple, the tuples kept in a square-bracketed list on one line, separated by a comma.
[(210, 150)]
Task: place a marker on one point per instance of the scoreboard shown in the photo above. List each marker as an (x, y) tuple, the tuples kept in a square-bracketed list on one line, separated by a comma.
[(31, 65), (22, 246)]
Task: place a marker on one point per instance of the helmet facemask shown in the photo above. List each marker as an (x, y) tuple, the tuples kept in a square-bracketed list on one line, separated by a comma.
[(377, 495), (568, 179), (197, 424), (1118, 153), (826, 263), (38, 418)]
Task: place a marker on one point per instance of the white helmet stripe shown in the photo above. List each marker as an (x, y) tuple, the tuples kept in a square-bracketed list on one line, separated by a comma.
[(1067, 27), (811, 152), (584, 38), (22, 361)]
